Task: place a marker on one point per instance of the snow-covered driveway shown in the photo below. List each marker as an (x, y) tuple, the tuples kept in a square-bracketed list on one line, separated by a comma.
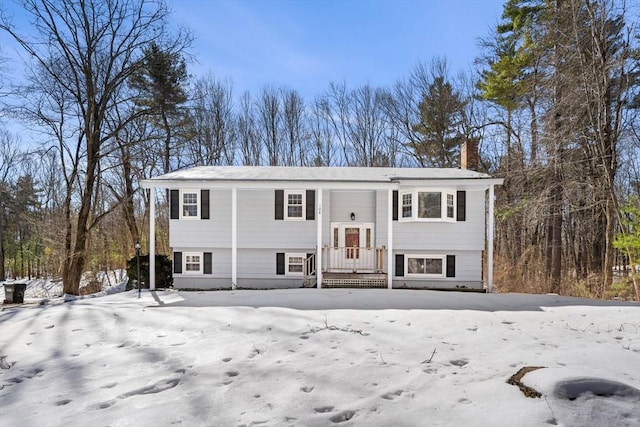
[(316, 358)]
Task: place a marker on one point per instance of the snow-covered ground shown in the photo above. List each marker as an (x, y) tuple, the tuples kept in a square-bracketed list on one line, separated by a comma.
[(306, 357), (42, 290)]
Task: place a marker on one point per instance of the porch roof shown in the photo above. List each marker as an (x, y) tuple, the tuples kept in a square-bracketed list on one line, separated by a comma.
[(264, 174)]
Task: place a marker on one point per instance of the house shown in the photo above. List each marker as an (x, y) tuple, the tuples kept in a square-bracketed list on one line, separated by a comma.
[(271, 227)]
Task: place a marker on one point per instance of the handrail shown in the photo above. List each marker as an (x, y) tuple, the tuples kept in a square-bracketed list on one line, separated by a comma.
[(309, 270), (309, 266)]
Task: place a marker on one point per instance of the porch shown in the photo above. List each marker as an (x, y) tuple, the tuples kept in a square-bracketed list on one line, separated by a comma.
[(348, 267)]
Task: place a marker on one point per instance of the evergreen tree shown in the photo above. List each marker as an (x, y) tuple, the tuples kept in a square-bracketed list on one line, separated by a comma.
[(160, 84), (441, 119)]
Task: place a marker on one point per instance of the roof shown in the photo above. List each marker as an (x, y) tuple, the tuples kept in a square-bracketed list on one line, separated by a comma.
[(326, 177), (316, 174)]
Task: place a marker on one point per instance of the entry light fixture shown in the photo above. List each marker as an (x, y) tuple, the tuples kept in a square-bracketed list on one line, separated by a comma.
[(353, 216)]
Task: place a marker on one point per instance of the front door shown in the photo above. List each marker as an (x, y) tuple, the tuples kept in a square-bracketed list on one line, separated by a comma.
[(352, 248), (352, 242)]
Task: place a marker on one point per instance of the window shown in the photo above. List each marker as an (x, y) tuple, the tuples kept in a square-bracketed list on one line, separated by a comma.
[(450, 206), (429, 204), (425, 265), (295, 264), (192, 263), (420, 205), (406, 205), (294, 201), (189, 204)]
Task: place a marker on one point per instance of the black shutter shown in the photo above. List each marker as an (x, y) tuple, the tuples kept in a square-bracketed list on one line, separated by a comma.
[(312, 266), (311, 205), (279, 204), (399, 265), (461, 208), (280, 263), (395, 206), (451, 266), (204, 204), (175, 204), (208, 263), (177, 262)]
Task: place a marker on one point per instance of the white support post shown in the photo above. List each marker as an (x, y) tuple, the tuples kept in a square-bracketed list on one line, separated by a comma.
[(234, 238), (390, 238), (319, 241), (152, 238), (490, 242)]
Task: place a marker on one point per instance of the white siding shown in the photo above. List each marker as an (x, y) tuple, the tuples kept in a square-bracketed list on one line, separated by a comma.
[(461, 235), (210, 233), (468, 272), (381, 218), (258, 228), (256, 269), (361, 203), (326, 218), (261, 263), (261, 236)]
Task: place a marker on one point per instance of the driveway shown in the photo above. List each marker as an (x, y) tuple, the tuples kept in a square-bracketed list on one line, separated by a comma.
[(379, 299)]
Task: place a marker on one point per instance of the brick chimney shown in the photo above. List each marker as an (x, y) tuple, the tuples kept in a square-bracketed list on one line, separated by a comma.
[(469, 155)]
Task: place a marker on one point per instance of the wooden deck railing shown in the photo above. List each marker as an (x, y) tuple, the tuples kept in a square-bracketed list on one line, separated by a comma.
[(353, 259), (345, 260)]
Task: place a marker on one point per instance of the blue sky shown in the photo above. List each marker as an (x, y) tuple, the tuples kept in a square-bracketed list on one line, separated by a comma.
[(305, 45)]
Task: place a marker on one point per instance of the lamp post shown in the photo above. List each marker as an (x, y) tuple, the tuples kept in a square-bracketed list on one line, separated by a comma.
[(137, 245)]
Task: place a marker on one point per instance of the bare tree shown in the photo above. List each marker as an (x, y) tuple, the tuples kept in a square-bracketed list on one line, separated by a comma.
[(294, 124), (357, 118), (84, 53), (9, 155), (269, 124), (321, 134), (248, 140), (213, 122)]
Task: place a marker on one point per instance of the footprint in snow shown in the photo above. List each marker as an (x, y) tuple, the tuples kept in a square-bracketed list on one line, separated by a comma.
[(306, 389), (342, 416), (158, 387), (101, 405), (63, 402), (323, 409), (459, 362), (392, 395)]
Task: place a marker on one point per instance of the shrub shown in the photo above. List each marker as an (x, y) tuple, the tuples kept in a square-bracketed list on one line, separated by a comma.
[(164, 278)]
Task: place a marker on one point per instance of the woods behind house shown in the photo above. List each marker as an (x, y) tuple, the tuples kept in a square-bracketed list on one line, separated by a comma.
[(552, 101)]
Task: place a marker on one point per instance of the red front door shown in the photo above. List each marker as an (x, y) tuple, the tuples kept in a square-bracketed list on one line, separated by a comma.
[(352, 242)]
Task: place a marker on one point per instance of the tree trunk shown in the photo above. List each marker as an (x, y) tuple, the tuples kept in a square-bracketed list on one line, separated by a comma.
[(76, 259), (556, 240), (3, 273)]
